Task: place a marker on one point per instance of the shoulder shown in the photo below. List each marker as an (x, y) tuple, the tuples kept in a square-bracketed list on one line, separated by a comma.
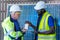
[(6, 20), (51, 18), (5, 23), (51, 21)]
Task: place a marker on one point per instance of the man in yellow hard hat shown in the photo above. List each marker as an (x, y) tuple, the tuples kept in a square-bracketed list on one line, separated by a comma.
[(45, 29), (10, 25)]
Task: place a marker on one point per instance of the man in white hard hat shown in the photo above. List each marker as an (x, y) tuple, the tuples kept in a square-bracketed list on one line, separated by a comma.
[(45, 29), (10, 25)]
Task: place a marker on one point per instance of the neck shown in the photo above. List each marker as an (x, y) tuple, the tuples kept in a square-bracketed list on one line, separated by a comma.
[(12, 17)]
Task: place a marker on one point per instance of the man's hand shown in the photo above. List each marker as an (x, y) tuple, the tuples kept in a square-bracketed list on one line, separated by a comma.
[(28, 23)]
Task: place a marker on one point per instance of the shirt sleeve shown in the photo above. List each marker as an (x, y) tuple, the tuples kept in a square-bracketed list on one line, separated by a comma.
[(51, 21)]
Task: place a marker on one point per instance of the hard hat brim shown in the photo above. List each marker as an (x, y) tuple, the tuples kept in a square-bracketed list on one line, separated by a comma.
[(38, 8), (15, 11)]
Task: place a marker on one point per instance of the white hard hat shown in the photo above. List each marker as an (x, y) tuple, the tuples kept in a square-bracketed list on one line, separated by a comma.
[(40, 5), (15, 8)]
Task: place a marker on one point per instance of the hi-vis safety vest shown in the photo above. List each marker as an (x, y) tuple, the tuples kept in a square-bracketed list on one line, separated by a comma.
[(43, 26), (9, 33)]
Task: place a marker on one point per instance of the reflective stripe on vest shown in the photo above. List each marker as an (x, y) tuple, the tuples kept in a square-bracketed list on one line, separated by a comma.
[(13, 38), (8, 34), (43, 26)]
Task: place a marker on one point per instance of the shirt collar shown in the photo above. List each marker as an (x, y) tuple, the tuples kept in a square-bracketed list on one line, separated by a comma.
[(12, 20)]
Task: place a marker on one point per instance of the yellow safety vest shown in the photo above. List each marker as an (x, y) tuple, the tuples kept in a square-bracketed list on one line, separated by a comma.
[(43, 26), (9, 32)]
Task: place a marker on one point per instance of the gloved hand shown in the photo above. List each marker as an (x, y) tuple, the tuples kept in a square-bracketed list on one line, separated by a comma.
[(19, 38), (24, 30)]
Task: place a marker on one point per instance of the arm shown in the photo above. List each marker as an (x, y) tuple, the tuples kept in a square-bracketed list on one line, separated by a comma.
[(34, 27), (12, 33), (51, 31), (51, 26), (30, 24)]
